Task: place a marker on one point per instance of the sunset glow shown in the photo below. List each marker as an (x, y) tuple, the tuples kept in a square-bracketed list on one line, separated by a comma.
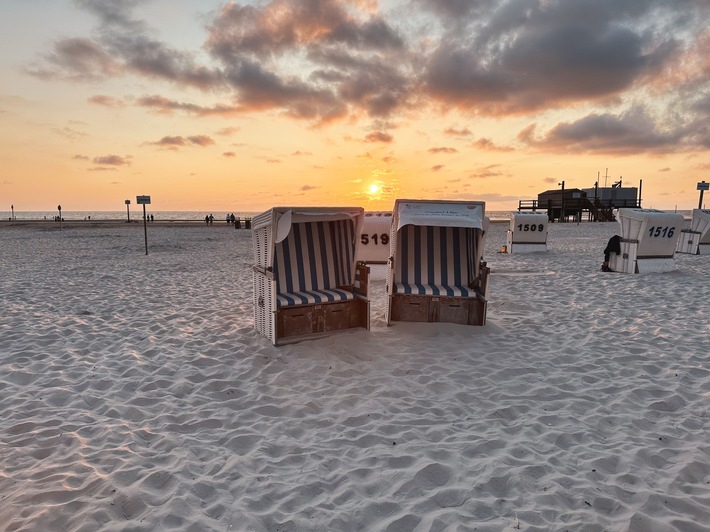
[(246, 105)]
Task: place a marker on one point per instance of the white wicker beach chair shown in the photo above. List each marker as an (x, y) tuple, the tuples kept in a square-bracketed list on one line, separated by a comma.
[(306, 280), (527, 233), (436, 272), (648, 241), (696, 239)]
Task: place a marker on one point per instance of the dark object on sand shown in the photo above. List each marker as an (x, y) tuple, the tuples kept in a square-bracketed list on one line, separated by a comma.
[(613, 246)]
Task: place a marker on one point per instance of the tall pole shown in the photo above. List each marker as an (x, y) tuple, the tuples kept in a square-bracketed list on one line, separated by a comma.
[(128, 211), (59, 208), (12, 217), (701, 186), (145, 229), (562, 210), (640, 187)]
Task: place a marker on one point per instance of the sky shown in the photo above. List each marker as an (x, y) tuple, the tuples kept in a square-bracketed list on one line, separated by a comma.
[(242, 106)]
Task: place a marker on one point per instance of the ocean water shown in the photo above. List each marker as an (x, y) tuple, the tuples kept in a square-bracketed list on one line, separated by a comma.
[(137, 214)]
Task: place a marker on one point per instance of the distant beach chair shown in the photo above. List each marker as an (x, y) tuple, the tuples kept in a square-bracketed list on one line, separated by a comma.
[(696, 239), (648, 241), (306, 279), (436, 272), (527, 233)]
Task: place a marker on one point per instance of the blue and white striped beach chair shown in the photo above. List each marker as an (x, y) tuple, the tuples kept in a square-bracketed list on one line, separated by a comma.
[(436, 273), (306, 279)]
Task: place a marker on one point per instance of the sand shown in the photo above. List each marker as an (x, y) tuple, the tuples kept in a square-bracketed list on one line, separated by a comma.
[(137, 396)]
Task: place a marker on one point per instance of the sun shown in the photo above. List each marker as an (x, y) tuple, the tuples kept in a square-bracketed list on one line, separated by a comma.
[(374, 189)]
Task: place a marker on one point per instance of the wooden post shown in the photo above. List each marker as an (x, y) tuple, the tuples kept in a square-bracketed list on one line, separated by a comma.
[(562, 209), (144, 200), (702, 187), (145, 229)]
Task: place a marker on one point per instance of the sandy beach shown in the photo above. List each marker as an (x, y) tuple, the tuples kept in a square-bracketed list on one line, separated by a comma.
[(136, 395)]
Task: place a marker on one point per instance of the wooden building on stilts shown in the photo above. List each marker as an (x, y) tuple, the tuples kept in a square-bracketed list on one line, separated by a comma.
[(596, 204)]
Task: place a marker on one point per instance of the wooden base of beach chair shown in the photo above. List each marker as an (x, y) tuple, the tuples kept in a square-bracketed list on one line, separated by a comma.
[(434, 309), (307, 321)]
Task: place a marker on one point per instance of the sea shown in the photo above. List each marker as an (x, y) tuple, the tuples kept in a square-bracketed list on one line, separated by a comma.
[(177, 215)]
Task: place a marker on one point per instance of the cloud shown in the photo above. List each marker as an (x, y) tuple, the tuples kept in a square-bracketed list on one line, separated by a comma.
[(437, 167), (260, 89), (443, 149), (113, 160), (78, 59), (485, 172), (454, 132), (101, 169), (308, 187), (528, 56), (324, 61), (81, 158), (488, 145), (279, 26), (200, 140), (628, 133), (176, 142), (107, 101), (229, 154), (228, 131), (171, 142), (379, 136), (68, 133), (161, 104)]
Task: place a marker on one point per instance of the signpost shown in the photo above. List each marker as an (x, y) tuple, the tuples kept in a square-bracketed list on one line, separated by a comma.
[(144, 200), (12, 207), (128, 211), (59, 208), (702, 187)]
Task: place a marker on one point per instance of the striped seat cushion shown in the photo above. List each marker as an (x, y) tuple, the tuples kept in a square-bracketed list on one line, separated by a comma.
[(433, 290), (434, 261), (310, 297)]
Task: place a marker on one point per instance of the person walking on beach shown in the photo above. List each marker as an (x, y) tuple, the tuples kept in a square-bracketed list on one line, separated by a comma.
[(207, 219), (211, 219)]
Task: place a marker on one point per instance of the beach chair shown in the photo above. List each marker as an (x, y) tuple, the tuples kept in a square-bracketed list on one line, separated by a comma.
[(436, 272), (648, 241), (527, 232), (306, 280), (374, 249), (696, 239)]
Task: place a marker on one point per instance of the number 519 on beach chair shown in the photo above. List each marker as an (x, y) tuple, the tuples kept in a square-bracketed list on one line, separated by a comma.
[(306, 279)]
